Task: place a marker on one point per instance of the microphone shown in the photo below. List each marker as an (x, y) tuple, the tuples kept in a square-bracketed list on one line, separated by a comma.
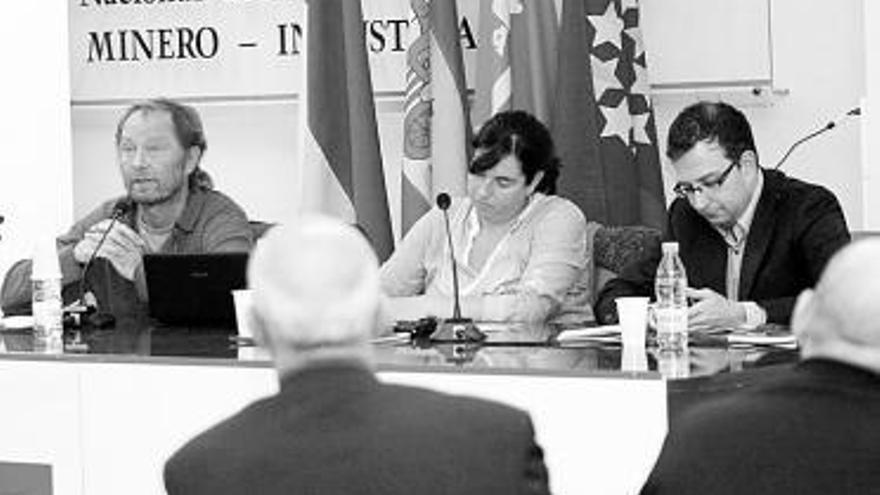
[(854, 112), (443, 202), (120, 209), (457, 328)]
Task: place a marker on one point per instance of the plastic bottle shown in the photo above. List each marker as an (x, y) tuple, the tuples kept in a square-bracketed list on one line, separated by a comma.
[(670, 310), (46, 291), (673, 363)]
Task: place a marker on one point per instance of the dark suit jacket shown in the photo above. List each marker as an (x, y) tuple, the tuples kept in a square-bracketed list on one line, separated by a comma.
[(813, 430), (337, 430), (796, 228)]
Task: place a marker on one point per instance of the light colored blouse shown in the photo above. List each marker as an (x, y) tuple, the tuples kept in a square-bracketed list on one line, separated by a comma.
[(535, 273)]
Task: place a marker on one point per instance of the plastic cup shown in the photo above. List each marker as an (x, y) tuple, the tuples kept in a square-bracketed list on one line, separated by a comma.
[(632, 313), (242, 300), (634, 358)]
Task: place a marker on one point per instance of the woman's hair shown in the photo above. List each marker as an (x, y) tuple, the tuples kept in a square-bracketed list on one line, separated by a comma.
[(519, 134)]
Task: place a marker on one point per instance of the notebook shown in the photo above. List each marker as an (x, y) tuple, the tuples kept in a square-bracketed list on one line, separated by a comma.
[(194, 289)]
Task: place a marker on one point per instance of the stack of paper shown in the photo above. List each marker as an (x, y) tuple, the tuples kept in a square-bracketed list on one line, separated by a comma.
[(606, 333), (762, 338)]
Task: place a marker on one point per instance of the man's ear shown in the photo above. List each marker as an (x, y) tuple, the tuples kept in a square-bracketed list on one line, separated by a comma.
[(193, 157), (384, 324), (803, 312), (749, 160), (257, 325)]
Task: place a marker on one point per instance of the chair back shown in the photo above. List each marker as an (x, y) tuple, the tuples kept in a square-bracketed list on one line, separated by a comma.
[(259, 229), (617, 246), (610, 248)]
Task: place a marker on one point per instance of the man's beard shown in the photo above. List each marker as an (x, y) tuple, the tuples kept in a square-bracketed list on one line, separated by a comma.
[(157, 197)]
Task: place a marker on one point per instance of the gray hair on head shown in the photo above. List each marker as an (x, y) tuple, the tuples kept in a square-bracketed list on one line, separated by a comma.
[(840, 317), (315, 283)]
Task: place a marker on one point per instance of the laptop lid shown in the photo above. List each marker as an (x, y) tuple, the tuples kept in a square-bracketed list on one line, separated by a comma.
[(194, 289)]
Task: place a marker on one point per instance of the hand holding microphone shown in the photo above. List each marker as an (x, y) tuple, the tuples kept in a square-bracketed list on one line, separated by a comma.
[(114, 241), (122, 246)]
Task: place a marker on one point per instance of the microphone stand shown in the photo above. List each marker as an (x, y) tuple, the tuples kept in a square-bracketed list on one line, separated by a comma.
[(457, 328)]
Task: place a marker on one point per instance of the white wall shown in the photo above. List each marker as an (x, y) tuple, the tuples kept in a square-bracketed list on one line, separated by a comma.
[(871, 118), (35, 172), (818, 56)]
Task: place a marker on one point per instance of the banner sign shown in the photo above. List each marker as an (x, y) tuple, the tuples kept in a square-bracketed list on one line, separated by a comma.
[(131, 49)]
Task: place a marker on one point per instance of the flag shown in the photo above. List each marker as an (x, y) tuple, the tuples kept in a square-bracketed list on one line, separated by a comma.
[(604, 124), (436, 130), (341, 159), (516, 59)]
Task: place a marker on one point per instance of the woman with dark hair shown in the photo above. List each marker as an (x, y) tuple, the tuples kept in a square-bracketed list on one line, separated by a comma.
[(520, 249)]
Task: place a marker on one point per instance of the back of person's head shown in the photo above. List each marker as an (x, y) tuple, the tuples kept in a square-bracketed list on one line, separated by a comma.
[(187, 127), (315, 287), (840, 318), (519, 134), (711, 122)]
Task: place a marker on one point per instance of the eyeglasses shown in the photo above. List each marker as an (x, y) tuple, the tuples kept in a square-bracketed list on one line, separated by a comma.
[(687, 190)]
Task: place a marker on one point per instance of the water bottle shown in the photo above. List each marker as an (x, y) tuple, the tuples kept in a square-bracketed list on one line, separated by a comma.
[(46, 291), (670, 310), (673, 363)]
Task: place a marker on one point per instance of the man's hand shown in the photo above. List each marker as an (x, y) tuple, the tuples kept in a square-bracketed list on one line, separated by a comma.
[(123, 247), (712, 310)]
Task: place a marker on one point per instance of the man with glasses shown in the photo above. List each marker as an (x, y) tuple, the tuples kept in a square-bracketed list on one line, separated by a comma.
[(170, 206), (751, 239), (810, 428)]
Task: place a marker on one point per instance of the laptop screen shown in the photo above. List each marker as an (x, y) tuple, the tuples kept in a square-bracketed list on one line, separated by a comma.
[(194, 289)]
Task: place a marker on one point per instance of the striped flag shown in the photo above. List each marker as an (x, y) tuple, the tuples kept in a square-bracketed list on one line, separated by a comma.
[(516, 58), (341, 161), (604, 122), (436, 130)]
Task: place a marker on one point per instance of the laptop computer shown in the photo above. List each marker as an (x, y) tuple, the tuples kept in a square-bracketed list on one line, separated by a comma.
[(194, 289)]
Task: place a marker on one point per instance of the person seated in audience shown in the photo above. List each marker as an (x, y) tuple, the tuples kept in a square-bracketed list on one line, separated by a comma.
[(750, 238), (520, 249), (334, 427), (814, 428), (170, 206)]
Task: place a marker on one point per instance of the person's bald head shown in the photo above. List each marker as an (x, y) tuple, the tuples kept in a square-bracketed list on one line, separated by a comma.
[(315, 286), (840, 318)]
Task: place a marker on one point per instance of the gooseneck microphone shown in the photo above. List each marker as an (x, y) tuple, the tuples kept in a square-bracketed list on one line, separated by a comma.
[(457, 328), (443, 202), (120, 209), (855, 112)]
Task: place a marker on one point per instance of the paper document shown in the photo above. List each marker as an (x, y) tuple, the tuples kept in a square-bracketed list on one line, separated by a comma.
[(762, 338), (16, 322), (589, 333)]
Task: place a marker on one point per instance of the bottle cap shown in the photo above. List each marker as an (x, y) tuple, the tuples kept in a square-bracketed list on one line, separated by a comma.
[(45, 260), (670, 247)]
